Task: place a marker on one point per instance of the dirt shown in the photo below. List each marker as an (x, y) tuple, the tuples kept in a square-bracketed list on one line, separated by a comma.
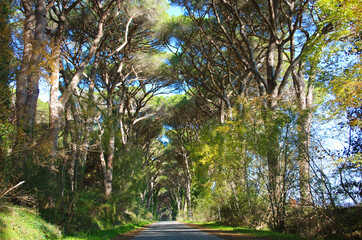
[(227, 235)]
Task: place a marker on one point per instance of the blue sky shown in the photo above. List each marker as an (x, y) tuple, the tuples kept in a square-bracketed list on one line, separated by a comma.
[(174, 11)]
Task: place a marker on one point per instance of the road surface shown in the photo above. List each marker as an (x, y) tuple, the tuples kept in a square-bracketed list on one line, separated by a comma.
[(173, 231)]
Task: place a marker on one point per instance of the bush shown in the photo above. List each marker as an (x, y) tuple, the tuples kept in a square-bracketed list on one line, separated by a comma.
[(91, 211), (329, 223)]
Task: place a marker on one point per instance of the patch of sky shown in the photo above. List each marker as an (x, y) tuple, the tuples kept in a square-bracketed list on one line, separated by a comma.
[(44, 90), (165, 140), (175, 10)]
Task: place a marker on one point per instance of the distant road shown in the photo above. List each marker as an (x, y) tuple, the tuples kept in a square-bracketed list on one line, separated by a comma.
[(173, 231)]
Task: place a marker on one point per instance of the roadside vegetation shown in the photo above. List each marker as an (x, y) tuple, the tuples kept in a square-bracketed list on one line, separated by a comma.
[(107, 234), (20, 223), (23, 223)]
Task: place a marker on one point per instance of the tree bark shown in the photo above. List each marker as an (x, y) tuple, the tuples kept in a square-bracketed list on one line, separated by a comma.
[(54, 115), (32, 92), (188, 200), (27, 89), (110, 158), (305, 100), (22, 81), (150, 190), (88, 124)]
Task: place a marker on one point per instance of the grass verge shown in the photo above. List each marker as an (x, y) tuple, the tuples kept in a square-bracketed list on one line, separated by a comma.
[(267, 234), (107, 234), (18, 223)]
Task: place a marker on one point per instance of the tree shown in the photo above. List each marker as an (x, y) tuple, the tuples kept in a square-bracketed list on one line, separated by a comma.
[(5, 72), (27, 80)]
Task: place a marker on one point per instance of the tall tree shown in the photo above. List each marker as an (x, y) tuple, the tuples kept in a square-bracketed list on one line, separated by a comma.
[(5, 70), (27, 80)]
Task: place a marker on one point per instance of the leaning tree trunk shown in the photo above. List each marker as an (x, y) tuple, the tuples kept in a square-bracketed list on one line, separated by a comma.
[(188, 200)]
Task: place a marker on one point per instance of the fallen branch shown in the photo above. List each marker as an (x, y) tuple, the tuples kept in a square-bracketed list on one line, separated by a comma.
[(10, 189)]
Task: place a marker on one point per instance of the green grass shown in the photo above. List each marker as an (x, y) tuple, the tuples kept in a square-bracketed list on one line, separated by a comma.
[(17, 223), (242, 230), (107, 234)]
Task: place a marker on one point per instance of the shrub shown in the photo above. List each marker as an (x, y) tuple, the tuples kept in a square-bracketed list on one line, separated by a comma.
[(329, 223)]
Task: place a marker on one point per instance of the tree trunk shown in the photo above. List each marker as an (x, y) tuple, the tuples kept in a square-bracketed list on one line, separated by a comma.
[(21, 142), (150, 194), (188, 203), (22, 81), (54, 114), (305, 100), (109, 172), (88, 125), (111, 148), (32, 91), (103, 162)]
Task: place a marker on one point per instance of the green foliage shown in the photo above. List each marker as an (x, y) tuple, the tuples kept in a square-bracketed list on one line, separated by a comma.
[(347, 89), (240, 161), (42, 112), (170, 101), (107, 234), (6, 55), (129, 168), (18, 223), (7, 131)]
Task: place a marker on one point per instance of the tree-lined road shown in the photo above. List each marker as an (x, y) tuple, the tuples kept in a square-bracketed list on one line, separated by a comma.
[(174, 231)]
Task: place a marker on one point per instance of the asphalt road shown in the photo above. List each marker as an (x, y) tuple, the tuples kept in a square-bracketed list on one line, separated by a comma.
[(173, 231)]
